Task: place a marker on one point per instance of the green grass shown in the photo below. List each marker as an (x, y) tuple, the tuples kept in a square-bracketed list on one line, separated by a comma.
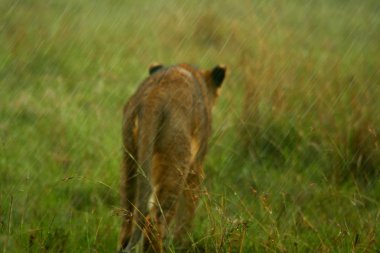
[(294, 160)]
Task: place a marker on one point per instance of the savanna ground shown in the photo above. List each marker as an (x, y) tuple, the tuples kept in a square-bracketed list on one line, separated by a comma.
[(294, 160)]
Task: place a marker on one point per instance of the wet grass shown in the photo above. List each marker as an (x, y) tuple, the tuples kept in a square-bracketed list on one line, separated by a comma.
[(294, 160)]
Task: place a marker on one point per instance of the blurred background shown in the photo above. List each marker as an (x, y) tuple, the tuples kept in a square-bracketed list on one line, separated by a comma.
[(294, 159)]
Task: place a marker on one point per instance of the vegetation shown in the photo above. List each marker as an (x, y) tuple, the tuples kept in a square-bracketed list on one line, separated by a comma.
[(294, 160)]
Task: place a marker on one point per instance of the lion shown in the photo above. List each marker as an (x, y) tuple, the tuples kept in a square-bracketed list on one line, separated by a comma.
[(166, 127)]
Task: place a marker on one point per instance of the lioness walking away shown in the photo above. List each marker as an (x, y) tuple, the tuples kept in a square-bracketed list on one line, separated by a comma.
[(166, 127)]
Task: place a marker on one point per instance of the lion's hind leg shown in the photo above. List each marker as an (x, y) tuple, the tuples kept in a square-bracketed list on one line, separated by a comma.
[(128, 194)]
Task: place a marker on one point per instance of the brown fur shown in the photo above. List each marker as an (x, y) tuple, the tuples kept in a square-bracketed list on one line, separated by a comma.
[(166, 127)]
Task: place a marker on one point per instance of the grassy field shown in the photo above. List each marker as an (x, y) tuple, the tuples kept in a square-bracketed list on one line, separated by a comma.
[(294, 160)]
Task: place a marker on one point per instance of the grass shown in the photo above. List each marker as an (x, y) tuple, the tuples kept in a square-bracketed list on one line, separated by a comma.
[(294, 160)]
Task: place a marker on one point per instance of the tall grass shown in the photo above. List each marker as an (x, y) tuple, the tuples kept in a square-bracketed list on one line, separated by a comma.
[(294, 160)]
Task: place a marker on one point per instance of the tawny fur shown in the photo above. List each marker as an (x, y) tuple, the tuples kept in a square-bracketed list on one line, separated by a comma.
[(166, 127)]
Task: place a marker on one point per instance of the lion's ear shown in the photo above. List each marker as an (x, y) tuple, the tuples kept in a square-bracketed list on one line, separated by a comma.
[(154, 67), (217, 74)]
